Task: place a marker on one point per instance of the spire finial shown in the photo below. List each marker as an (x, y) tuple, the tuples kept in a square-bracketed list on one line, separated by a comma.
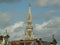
[(29, 4), (5, 33), (53, 36)]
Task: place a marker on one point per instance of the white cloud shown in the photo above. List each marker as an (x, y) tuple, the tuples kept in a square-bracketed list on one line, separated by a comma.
[(40, 27), (16, 34), (46, 29), (48, 3), (16, 25), (12, 30)]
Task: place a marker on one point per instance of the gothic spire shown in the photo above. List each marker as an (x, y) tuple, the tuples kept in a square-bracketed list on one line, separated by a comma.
[(29, 28), (29, 17)]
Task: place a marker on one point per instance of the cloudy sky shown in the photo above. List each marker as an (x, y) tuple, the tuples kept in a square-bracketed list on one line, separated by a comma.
[(45, 13)]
